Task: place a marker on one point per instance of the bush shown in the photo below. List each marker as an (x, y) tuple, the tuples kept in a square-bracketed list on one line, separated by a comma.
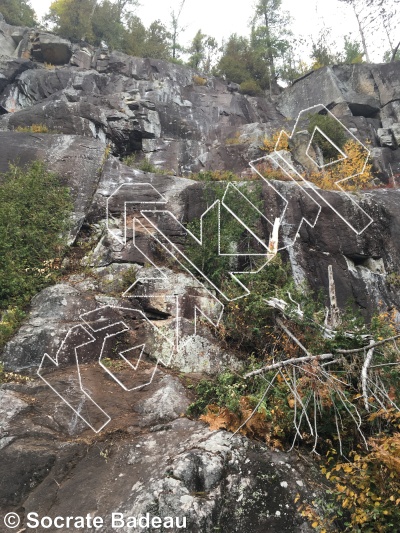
[(224, 234), (34, 207), (351, 166), (333, 130), (251, 88), (199, 80), (215, 175), (34, 128), (367, 488)]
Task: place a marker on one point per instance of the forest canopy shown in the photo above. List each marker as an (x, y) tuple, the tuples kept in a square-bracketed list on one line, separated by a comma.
[(261, 61)]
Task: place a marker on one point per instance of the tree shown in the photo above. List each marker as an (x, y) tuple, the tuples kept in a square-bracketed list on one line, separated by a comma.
[(321, 50), (202, 49), (372, 14), (156, 42), (352, 51), (125, 7), (176, 30), (18, 12), (270, 37), (235, 60), (388, 17), (73, 18), (107, 26), (141, 42), (134, 36), (364, 20)]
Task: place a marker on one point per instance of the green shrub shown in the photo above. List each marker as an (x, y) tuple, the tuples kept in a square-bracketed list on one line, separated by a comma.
[(147, 166), (251, 88), (233, 235), (34, 209), (129, 160), (9, 322), (129, 277), (215, 175), (333, 130)]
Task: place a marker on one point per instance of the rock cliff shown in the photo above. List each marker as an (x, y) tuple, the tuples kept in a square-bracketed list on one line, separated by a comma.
[(98, 107)]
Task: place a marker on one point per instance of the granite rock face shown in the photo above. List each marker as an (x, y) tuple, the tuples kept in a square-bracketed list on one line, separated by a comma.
[(128, 286)]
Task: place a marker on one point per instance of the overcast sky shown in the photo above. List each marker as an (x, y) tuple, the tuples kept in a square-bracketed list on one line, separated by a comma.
[(220, 18)]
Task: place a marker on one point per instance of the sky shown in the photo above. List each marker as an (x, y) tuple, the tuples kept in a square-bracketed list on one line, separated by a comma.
[(220, 18)]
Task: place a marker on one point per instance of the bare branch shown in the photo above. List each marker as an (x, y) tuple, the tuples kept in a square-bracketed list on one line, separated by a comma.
[(309, 357), (395, 52), (290, 334), (288, 362), (364, 374), (372, 345)]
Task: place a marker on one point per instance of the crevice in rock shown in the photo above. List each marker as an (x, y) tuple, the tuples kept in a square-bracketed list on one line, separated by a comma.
[(374, 264)]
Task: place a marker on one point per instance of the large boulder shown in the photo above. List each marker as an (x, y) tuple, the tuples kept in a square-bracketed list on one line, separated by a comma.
[(152, 461), (350, 86)]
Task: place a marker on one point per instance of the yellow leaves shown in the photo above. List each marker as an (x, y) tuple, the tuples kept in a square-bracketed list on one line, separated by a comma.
[(278, 141), (347, 468), (340, 488), (353, 165), (291, 402)]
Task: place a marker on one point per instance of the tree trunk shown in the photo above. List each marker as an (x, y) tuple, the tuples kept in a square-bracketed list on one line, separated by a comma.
[(361, 30), (273, 85), (395, 52)]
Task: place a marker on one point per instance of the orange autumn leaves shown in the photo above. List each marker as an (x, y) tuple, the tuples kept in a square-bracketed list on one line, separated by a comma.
[(327, 177)]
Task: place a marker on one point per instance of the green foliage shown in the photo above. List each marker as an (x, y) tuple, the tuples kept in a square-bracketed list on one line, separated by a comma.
[(388, 56), (129, 277), (147, 166), (129, 160), (270, 41), (321, 50), (232, 237), (251, 87), (10, 321), (146, 42), (18, 12), (202, 52), (353, 52), (248, 321), (111, 22), (106, 25), (215, 175), (224, 391), (156, 44), (333, 130), (234, 63), (73, 18), (33, 215)]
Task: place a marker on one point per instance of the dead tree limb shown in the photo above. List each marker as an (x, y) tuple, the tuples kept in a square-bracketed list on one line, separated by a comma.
[(372, 345), (364, 374), (288, 362), (291, 336), (320, 357)]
